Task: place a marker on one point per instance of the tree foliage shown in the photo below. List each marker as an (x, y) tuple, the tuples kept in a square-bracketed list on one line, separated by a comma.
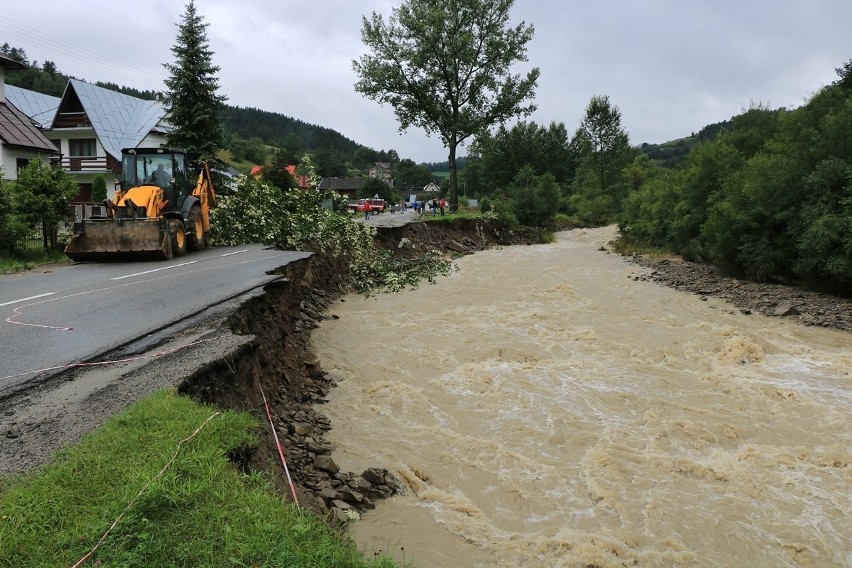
[(99, 188), (769, 198), (497, 158), (41, 196), (295, 220), (447, 67), (276, 174), (600, 152), (12, 228), (407, 174), (195, 107), (534, 198)]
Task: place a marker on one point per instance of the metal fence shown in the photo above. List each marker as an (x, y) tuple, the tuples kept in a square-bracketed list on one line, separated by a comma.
[(32, 241)]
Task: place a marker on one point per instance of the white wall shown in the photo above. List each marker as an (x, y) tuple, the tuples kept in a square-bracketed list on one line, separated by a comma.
[(9, 160)]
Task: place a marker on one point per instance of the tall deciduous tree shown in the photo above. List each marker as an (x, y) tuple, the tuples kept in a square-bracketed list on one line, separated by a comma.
[(195, 107), (601, 126), (446, 66)]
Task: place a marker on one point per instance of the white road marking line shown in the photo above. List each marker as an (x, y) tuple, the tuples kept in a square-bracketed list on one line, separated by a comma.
[(235, 252), (26, 299), (155, 270)]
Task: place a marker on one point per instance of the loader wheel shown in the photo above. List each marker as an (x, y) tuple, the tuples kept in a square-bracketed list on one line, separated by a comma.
[(178, 234), (195, 229)]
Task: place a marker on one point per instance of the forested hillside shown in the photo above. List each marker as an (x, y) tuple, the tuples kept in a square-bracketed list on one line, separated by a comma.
[(670, 154), (253, 136), (769, 198), (766, 195)]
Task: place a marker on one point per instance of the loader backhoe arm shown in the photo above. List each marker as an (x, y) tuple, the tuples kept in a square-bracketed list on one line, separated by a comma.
[(205, 194)]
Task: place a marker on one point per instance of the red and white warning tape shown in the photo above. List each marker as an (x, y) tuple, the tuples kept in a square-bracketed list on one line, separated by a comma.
[(278, 445)]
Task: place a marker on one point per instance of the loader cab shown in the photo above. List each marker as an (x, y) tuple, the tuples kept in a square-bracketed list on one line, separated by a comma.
[(160, 167)]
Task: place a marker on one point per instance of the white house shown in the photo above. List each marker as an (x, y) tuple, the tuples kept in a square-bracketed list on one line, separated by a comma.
[(20, 137), (90, 126)]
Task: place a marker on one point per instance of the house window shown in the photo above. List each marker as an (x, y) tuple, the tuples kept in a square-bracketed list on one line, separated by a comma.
[(21, 163), (83, 148)]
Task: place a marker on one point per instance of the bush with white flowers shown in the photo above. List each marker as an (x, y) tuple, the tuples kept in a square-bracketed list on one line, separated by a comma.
[(296, 220)]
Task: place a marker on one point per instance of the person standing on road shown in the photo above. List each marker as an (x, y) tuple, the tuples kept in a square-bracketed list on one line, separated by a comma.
[(442, 204), (367, 209), (434, 206)]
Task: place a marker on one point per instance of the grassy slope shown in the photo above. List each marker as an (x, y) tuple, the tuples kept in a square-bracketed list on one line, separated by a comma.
[(201, 512)]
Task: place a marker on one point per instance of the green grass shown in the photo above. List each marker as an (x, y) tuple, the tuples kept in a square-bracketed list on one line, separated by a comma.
[(201, 512), (27, 260), (623, 246)]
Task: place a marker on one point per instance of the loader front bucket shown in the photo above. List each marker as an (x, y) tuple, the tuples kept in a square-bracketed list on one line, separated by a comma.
[(108, 239)]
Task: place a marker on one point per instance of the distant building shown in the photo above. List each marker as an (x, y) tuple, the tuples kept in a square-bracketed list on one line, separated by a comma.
[(382, 171), (347, 187)]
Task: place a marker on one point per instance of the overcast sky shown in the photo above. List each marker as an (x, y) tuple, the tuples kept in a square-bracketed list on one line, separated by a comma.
[(670, 66)]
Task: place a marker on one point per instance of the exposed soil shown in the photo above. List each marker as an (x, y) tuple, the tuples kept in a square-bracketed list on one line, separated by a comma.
[(267, 339)]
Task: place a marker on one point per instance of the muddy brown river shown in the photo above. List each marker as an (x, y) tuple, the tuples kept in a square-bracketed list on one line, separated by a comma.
[(544, 409)]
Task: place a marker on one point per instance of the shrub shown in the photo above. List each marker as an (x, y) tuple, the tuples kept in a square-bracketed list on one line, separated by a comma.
[(295, 220), (99, 188)]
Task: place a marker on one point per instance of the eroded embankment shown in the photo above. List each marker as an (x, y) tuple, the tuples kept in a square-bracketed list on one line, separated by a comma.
[(280, 362)]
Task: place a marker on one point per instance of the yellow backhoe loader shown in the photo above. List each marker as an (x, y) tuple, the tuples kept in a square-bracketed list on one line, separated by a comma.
[(156, 213)]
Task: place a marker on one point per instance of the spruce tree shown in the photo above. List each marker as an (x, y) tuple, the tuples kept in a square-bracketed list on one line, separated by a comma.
[(195, 108)]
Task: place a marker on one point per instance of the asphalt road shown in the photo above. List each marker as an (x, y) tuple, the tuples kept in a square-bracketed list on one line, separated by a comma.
[(388, 219), (56, 317)]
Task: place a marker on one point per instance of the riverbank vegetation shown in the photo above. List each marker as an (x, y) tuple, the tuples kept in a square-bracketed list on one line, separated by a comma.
[(293, 219), (770, 198), (766, 196)]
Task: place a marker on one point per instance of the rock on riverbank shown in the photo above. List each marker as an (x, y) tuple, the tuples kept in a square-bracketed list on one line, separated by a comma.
[(807, 307)]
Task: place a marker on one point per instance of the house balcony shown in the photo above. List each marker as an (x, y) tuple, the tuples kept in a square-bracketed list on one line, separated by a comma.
[(84, 165)]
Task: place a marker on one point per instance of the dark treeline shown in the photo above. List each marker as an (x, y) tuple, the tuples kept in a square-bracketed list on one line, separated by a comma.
[(47, 79), (250, 133), (445, 165), (529, 173)]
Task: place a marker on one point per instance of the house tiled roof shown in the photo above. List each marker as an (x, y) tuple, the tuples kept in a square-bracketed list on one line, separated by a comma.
[(16, 129), (119, 120), (41, 108)]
